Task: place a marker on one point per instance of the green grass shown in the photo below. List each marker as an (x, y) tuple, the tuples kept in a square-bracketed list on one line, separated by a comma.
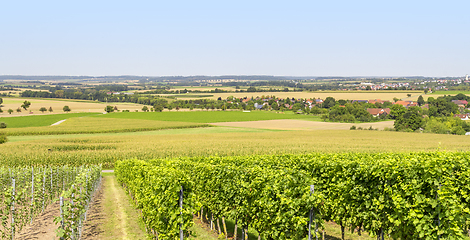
[(209, 116), (100, 125), (39, 120), (449, 93)]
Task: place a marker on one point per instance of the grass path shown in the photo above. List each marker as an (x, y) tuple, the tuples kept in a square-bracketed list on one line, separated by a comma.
[(114, 215)]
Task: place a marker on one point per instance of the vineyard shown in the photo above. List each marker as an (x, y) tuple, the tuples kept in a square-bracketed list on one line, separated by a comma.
[(27, 191), (400, 195)]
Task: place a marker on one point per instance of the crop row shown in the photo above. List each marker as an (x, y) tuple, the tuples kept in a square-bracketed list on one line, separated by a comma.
[(27, 191), (402, 195)]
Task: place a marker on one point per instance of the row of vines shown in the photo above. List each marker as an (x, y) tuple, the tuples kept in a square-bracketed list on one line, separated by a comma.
[(400, 195), (27, 191)]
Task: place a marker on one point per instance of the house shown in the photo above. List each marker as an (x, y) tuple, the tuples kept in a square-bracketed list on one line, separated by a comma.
[(460, 102), (376, 112), (407, 104), (462, 116), (360, 101)]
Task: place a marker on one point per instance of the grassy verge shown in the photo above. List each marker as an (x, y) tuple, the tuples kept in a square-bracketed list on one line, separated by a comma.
[(122, 220)]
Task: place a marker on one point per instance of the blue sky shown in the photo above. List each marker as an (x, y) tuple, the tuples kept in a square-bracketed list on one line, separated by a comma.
[(291, 38)]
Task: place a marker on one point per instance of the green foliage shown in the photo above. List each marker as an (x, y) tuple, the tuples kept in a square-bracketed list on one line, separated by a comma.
[(43, 109), (35, 189), (50, 109), (145, 109), (412, 120), (26, 105), (66, 108), (421, 101), (3, 125), (401, 194), (329, 102), (3, 138), (109, 109), (10, 111)]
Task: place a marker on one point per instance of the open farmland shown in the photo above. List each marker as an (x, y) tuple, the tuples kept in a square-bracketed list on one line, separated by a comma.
[(57, 105), (209, 116), (304, 125), (346, 95)]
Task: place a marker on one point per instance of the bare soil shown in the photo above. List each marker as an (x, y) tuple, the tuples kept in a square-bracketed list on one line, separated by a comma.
[(43, 226), (92, 227)]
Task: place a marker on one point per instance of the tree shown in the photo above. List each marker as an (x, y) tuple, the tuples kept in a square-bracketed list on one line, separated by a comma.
[(50, 109), (421, 101), (109, 109), (329, 102), (408, 95), (43, 109), (3, 125), (66, 108), (26, 105), (10, 111), (412, 120), (395, 99), (1, 101), (18, 110), (397, 111), (170, 107), (426, 91), (116, 109), (145, 109), (158, 108)]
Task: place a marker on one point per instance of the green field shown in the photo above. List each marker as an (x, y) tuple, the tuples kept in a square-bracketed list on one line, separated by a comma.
[(39, 120), (209, 116), (449, 93), (81, 125)]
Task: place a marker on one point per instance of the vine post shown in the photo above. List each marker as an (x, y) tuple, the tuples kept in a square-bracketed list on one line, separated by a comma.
[(181, 213), (312, 217), (32, 193), (13, 209)]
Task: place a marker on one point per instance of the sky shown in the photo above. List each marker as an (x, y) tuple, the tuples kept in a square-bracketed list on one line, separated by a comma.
[(224, 37)]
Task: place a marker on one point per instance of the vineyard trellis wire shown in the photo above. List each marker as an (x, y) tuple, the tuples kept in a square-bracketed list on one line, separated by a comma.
[(401, 195), (27, 191)]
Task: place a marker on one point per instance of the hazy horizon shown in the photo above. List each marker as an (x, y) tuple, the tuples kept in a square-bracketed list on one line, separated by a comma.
[(214, 38)]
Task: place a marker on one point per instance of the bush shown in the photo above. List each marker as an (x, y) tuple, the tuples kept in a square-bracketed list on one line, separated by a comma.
[(3, 138), (353, 127), (3, 125)]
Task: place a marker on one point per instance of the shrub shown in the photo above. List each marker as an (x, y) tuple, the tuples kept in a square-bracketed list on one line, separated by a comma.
[(353, 127), (3, 138), (359, 128), (3, 125)]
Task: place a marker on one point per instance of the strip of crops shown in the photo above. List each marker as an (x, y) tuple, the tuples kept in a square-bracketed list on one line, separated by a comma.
[(27, 191), (402, 195)]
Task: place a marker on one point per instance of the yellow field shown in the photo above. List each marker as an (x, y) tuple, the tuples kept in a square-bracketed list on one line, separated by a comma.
[(57, 105), (107, 148), (346, 95), (291, 124)]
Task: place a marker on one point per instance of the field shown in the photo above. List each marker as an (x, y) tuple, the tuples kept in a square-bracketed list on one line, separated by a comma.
[(209, 116), (346, 95), (57, 104), (91, 138)]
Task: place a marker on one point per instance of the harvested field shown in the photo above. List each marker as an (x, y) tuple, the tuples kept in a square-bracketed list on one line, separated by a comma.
[(57, 105), (291, 124)]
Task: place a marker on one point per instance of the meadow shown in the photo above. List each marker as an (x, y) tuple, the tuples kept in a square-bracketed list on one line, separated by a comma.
[(208, 116)]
